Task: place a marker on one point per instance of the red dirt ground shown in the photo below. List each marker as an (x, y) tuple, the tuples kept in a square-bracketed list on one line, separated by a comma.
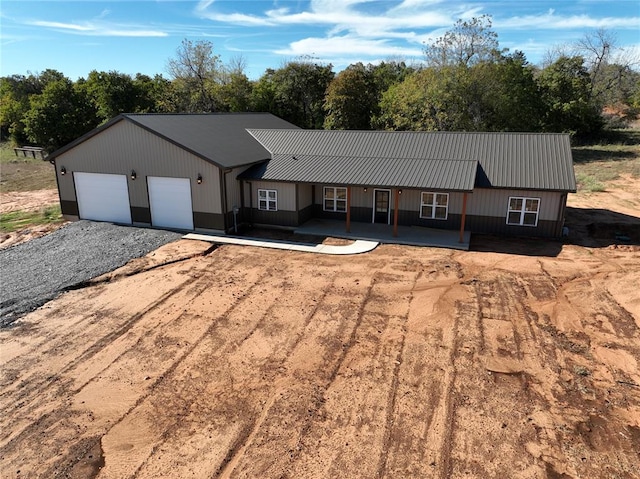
[(518, 359)]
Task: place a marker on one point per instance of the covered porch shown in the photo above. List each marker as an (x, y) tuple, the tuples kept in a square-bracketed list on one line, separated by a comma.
[(406, 235)]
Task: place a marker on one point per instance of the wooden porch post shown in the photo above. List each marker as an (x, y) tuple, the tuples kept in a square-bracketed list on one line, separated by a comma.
[(396, 197), (348, 209), (464, 216)]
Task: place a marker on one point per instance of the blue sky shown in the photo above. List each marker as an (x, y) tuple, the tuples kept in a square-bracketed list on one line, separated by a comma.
[(76, 37)]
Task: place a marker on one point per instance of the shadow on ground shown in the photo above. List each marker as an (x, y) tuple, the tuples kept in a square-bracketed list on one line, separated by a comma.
[(596, 227), (591, 227)]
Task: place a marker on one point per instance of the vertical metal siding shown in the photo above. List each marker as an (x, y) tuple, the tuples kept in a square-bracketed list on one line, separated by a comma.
[(491, 202), (233, 188), (124, 147), (286, 194)]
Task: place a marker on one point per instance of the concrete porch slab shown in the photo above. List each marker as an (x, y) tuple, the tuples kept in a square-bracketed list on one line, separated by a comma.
[(407, 235)]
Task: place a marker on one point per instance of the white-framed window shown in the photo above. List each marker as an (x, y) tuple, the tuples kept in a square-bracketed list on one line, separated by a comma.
[(335, 199), (434, 206), (268, 200), (523, 211)]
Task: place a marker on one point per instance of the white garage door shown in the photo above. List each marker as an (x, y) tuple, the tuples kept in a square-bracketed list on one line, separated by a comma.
[(102, 197), (170, 201)]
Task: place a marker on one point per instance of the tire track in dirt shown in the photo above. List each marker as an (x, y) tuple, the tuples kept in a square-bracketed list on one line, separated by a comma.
[(235, 455), (45, 418), (286, 395), (28, 386), (364, 366), (164, 430), (393, 394), (145, 467)]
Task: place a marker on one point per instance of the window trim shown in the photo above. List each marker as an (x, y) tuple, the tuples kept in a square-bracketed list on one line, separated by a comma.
[(523, 211), (335, 199), (268, 201), (434, 206)]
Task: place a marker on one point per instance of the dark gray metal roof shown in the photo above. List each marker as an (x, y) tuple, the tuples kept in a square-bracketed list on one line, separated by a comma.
[(536, 161), (450, 175), (220, 138)]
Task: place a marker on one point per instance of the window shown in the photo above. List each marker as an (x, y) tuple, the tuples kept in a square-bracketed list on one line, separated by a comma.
[(523, 211), (335, 199), (434, 206), (268, 200)]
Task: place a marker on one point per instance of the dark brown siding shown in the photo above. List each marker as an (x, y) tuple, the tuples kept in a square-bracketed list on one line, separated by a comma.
[(276, 218), (498, 226), (140, 215), (69, 207), (211, 221)]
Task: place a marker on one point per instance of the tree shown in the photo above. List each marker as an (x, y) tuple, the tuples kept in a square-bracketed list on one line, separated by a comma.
[(195, 72), (154, 94), (351, 99), (566, 92), (111, 92), (234, 88), (467, 43), (15, 92), (59, 115), (295, 92), (423, 101)]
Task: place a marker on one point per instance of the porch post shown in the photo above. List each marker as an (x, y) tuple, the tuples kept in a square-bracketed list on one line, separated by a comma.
[(348, 209), (464, 216), (396, 197)]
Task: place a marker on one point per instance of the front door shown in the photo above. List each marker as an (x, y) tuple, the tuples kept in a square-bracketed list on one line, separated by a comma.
[(381, 203)]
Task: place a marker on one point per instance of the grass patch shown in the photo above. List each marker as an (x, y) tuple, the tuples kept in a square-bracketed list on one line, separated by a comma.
[(18, 220), (597, 164), (19, 173), (589, 183)]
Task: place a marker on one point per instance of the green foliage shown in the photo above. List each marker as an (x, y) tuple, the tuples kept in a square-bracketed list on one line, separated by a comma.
[(565, 87), (295, 92), (111, 93), (589, 183), (501, 95), (15, 91), (195, 71), (351, 99), (18, 220), (59, 115)]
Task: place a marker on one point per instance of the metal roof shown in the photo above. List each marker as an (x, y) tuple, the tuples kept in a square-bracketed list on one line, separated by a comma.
[(450, 175), (536, 161), (220, 138)]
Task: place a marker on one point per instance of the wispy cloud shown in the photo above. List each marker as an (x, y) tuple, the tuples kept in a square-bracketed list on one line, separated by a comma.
[(99, 29), (339, 45), (551, 21)]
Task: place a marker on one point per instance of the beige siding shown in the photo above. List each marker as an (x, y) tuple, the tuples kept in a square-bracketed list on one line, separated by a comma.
[(410, 200), (124, 147), (233, 187), (490, 202), (286, 194)]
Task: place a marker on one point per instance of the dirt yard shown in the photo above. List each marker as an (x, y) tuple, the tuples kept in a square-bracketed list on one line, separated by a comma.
[(516, 360), (27, 201)]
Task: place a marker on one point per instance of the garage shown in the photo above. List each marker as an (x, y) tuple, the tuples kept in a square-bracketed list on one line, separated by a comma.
[(170, 202), (102, 197)]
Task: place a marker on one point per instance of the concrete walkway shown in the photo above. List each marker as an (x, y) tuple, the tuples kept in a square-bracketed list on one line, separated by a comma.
[(358, 246), (407, 235)]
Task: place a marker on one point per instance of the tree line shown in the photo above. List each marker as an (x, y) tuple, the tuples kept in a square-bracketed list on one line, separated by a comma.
[(466, 83)]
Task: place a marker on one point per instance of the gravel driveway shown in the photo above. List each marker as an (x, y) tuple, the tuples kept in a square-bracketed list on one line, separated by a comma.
[(35, 272)]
